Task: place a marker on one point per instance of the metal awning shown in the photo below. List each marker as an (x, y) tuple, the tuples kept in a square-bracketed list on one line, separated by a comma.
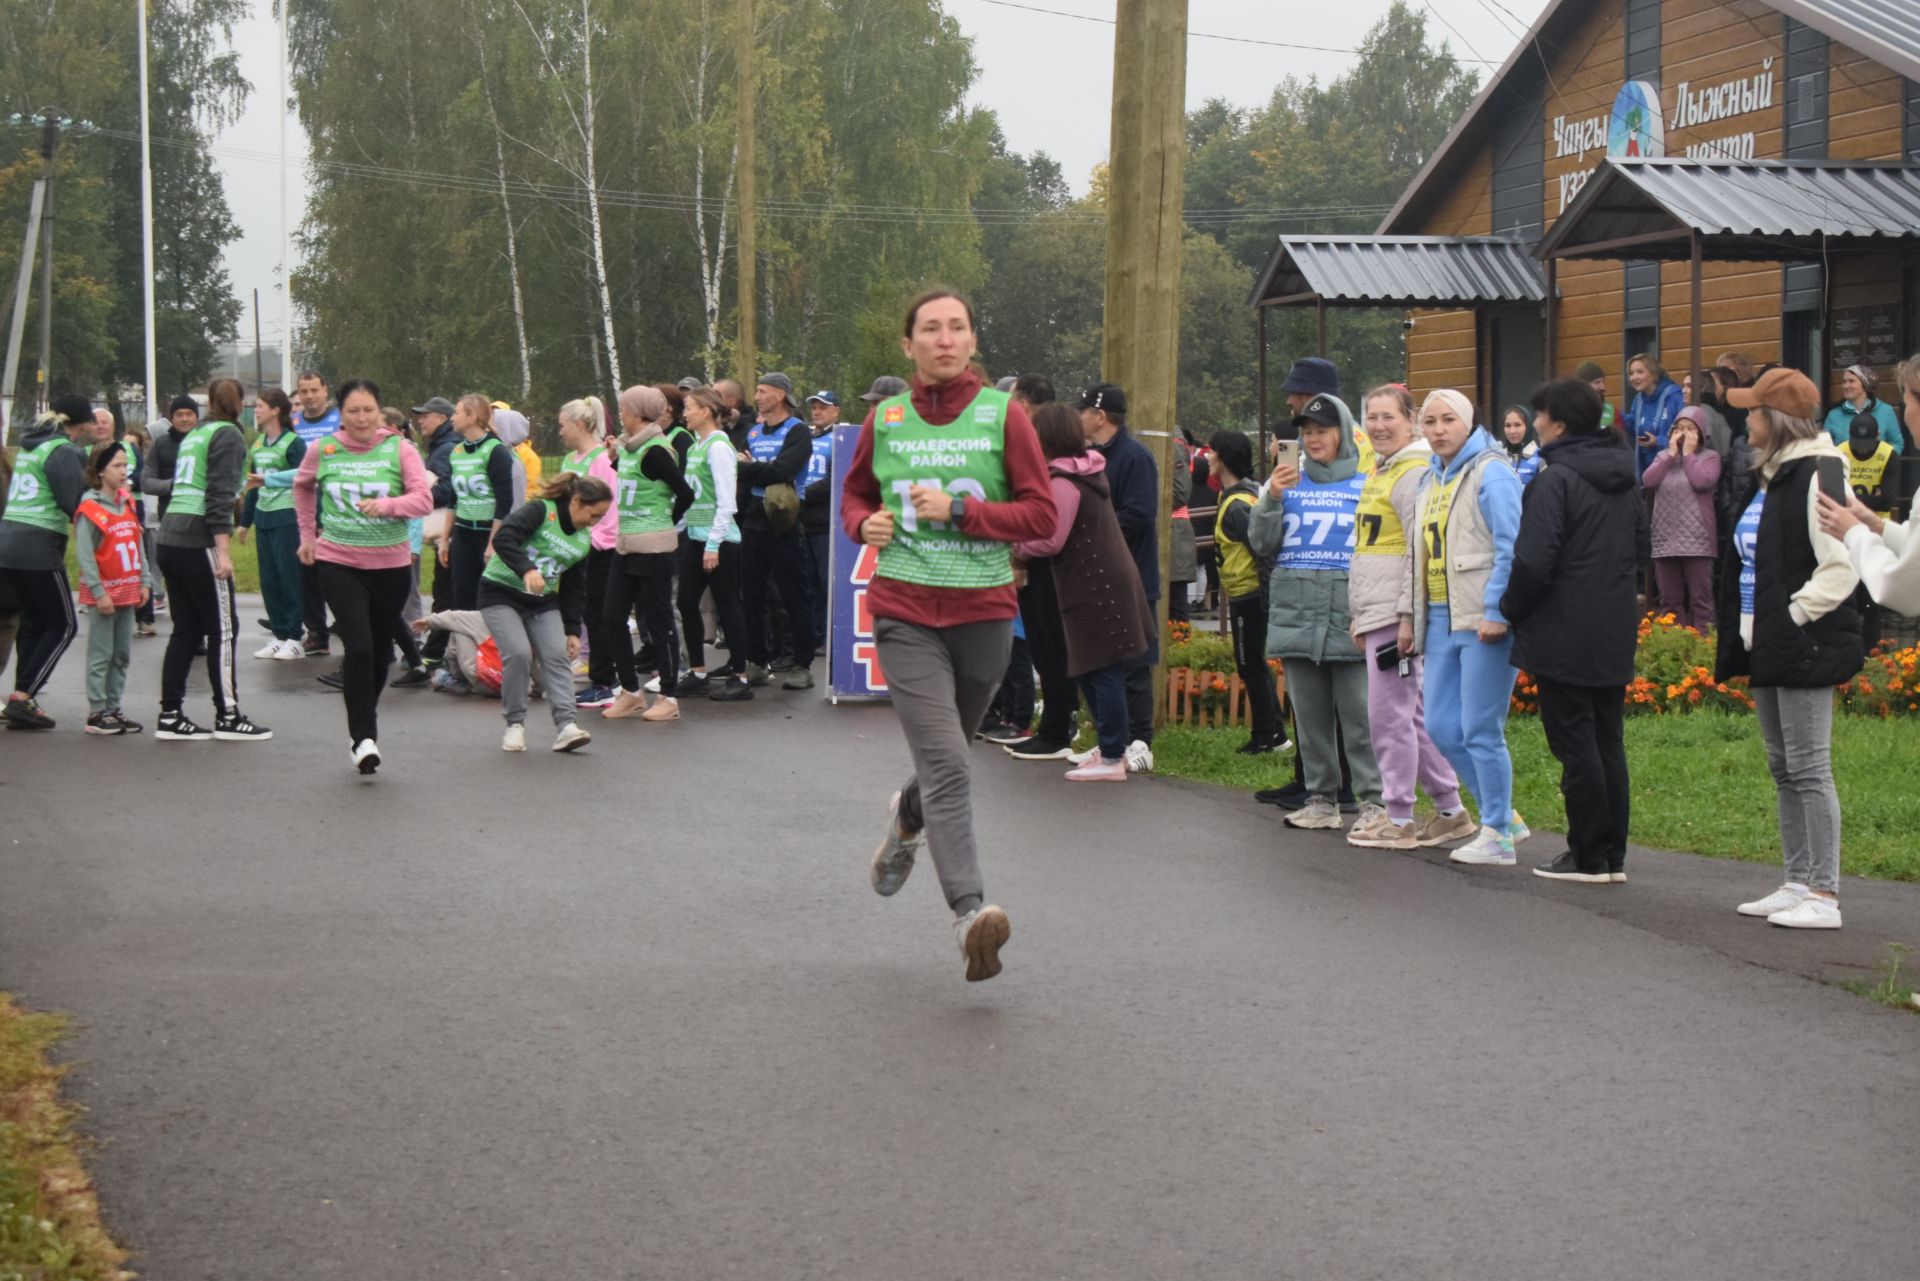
[(1744, 211), (1397, 271)]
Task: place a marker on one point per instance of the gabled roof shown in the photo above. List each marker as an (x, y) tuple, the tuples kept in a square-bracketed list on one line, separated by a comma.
[(1756, 210), (1398, 271), (1887, 31)]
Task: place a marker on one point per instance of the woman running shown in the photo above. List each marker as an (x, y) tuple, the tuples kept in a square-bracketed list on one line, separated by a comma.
[(533, 596), (709, 550), (277, 455), (944, 480), (192, 551), (356, 491), (49, 480), (1461, 563), (1380, 599), (653, 496)]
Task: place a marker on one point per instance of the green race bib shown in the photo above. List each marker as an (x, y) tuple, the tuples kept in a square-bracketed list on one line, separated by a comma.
[(965, 457), (552, 551), (345, 480), (189, 496), (472, 491), (646, 506), (29, 496), (268, 458)]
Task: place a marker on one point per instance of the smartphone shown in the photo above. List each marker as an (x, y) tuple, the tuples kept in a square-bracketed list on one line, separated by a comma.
[(1286, 453), (1833, 478), (1387, 657)]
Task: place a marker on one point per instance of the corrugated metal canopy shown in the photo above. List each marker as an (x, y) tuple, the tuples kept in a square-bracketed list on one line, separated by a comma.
[(1398, 271), (1751, 211), (1888, 31)]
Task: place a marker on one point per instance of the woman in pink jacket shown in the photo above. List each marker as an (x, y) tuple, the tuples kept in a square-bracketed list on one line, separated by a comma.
[(1686, 527), (363, 483)]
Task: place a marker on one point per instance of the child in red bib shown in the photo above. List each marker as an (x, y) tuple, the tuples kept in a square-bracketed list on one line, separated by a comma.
[(114, 579)]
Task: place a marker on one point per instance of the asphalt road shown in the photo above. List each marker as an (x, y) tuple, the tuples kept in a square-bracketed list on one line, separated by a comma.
[(636, 1014)]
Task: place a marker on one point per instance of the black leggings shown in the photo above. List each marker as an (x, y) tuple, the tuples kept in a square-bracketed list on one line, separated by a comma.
[(652, 590), (466, 557), (725, 581), (366, 605), (202, 607), (601, 620), (47, 624)]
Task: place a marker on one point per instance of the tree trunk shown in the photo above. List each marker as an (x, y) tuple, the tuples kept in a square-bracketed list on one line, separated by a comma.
[(593, 197), (513, 248)]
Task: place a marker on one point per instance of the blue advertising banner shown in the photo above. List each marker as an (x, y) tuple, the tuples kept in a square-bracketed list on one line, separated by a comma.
[(853, 663)]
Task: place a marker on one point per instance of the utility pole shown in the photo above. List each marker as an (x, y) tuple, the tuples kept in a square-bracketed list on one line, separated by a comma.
[(259, 361), (49, 142), (22, 291), (746, 356), (1146, 206)]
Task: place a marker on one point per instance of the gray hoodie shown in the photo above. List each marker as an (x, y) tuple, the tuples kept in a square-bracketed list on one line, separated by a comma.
[(29, 546)]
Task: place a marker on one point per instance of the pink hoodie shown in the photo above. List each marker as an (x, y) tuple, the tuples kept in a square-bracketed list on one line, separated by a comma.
[(415, 500), (607, 532), (1066, 502)]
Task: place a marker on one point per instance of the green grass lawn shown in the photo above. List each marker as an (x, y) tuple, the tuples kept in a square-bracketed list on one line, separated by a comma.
[(246, 566), (1700, 784)]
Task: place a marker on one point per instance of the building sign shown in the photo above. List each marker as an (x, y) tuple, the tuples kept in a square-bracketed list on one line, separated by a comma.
[(1867, 336), (1637, 127), (853, 660)]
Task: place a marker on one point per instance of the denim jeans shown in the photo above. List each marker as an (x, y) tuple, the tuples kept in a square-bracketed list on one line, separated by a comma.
[(1797, 725), (1469, 690), (1106, 690)]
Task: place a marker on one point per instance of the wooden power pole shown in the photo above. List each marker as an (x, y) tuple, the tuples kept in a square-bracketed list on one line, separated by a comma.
[(1146, 206), (746, 355)]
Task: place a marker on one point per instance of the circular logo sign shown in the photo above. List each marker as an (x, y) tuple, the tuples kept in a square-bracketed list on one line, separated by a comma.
[(1635, 128)]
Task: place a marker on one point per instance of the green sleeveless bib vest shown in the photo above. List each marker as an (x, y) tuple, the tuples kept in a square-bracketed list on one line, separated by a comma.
[(965, 457)]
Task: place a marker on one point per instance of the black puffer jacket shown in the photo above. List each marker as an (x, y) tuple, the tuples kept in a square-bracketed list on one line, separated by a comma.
[(1583, 534)]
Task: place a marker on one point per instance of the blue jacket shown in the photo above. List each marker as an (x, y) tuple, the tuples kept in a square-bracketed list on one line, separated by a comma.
[(1135, 481), (1500, 499), (1653, 414), (1840, 418)]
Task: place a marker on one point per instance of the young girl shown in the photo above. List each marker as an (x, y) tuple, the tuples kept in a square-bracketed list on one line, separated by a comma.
[(1103, 607), (533, 595), (114, 579)]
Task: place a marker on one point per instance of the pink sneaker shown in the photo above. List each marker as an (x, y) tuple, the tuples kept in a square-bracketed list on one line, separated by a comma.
[(1099, 770)]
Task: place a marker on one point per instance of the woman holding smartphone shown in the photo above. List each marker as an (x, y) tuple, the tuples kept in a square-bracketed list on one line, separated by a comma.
[(944, 479), (1788, 625)]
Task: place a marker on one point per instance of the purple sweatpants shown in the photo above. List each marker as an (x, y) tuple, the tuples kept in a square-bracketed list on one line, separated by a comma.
[(1686, 589), (1398, 718)]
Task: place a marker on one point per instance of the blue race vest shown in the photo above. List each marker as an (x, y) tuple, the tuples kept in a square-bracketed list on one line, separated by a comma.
[(820, 465), (764, 444), (1320, 525), (1745, 535), (319, 428)]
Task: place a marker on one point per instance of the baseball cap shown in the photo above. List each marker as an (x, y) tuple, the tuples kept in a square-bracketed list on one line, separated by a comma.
[(1324, 410), (689, 383), (825, 397), (780, 382), (1589, 371), (1786, 390), (884, 386), (1105, 397), (435, 405)]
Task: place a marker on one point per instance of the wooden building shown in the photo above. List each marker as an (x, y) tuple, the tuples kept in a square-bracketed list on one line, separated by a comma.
[(1711, 85)]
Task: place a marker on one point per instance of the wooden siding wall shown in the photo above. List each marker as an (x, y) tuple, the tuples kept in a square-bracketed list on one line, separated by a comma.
[(1704, 43)]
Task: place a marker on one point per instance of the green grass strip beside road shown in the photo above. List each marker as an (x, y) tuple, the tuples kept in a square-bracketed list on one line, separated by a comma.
[(49, 1218), (1700, 784)]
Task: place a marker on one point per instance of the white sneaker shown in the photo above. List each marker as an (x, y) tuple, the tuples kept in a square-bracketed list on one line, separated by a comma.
[(653, 686), (515, 739), (1369, 814), (1091, 754), (1489, 849), (1517, 829), (366, 756), (1810, 913), (289, 649), (269, 650), (1139, 758), (571, 738), (1318, 812), (1780, 900)]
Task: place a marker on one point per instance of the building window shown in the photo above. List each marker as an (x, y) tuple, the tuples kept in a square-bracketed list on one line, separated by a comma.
[(1806, 93), (1640, 338), (1801, 345), (1642, 302), (1643, 40)]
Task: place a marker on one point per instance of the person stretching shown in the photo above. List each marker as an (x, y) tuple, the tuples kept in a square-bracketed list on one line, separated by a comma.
[(355, 493), (943, 479), (533, 595)]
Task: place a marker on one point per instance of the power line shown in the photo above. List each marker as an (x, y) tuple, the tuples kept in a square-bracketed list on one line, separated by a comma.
[(1196, 35)]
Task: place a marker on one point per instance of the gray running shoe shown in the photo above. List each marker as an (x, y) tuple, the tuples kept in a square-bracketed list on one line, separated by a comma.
[(982, 933), (893, 861)]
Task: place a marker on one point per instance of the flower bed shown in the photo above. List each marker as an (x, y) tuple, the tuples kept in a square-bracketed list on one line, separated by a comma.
[(1203, 687), (1674, 673)]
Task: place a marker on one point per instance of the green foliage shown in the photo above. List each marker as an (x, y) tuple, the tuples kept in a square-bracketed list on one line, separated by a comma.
[(1893, 987)]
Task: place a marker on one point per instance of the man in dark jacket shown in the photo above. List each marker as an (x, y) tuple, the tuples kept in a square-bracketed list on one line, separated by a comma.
[(1571, 602), (1134, 478), (777, 451)]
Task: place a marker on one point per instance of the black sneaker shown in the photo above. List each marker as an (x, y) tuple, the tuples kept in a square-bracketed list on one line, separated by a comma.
[(174, 727), (24, 713), (735, 690), (411, 677), (1000, 733), (1565, 868), (266, 624), (1290, 797), (127, 726), (106, 723), (315, 645), (1039, 749), (782, 664), (695, 685), (234, 727), (335, 679), (1257, 747)]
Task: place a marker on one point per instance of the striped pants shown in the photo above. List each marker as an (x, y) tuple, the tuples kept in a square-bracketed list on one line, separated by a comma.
[(47, 624), (202, 607)]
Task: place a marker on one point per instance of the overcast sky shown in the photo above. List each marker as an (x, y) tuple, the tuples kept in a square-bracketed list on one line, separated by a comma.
[(1048, 76)]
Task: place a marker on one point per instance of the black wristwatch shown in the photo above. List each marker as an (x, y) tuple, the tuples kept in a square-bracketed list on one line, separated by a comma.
[(959, 510)]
